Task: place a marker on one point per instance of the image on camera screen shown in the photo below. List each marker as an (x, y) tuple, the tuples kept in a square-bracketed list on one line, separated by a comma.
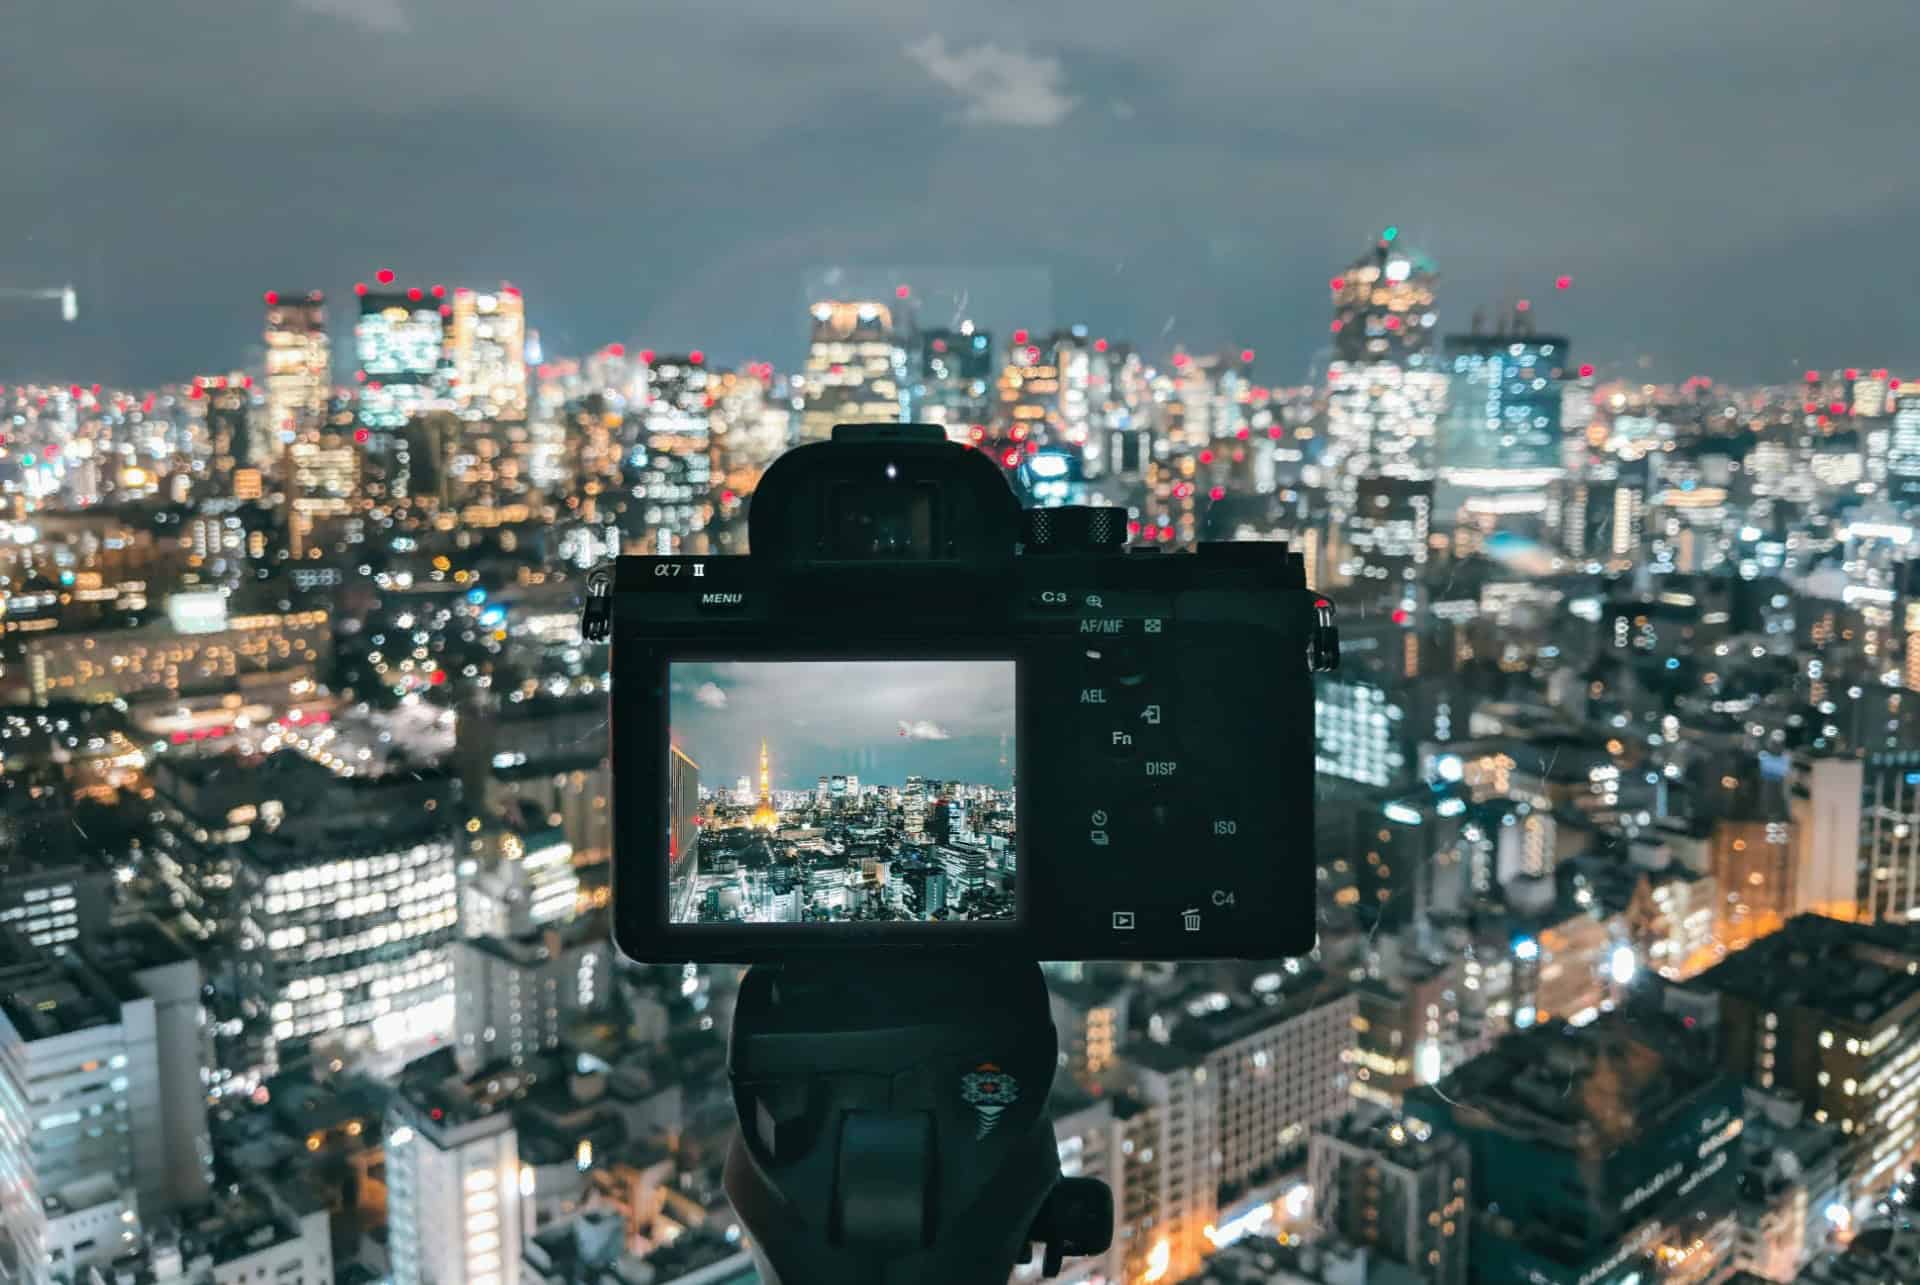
[(841, 792)]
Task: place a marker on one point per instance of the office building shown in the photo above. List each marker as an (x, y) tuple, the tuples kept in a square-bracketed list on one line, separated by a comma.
[(211, 652), (513, 995), (954, 379), (1824, 797), (230, 439), (669, 470), (102, 1111), (48, 894), (487, 351), (1398, 1189), (1830, 1012), (1163, 1172), (455, 1183), (330, 900), (856, 369), (245, 1234), (399, 353), (517, 876), (1275, 1062), (1589, 1148), (1383, 305), (1500, 440), (547, 753), (299, 375), (1889, 877)]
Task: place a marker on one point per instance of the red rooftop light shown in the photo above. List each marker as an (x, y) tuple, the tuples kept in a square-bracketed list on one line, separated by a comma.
[(359, 287), (1019, 336), (446, 310), (1813, 377), (1217, 493), (1523, 305), (1586, 372), (416, 294), (360, 436), (646, 355), (272, 297), (1335, 326), (1563, 283), (901, 292), (384, 276), (1338, 283), (616, 350), (1099, 345), (696, 357), (1852, 373), (1246, 354), (1242, 433), (439, 292)]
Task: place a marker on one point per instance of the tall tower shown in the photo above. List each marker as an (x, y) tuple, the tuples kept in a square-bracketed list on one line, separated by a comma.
[(297, 367), (487, 348), (764, 817), (856, 369), (1385, 396), (399, 345)]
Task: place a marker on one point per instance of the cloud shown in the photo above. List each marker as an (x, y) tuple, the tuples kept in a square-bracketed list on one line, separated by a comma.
[(383, 16), (999, 86), (923, 731), (712, 695)]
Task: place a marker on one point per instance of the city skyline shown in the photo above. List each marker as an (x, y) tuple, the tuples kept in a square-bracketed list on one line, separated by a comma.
[(887, 720), (1230, 255)]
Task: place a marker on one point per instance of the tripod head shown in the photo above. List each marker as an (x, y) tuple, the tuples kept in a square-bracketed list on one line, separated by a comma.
[(893, 1124)]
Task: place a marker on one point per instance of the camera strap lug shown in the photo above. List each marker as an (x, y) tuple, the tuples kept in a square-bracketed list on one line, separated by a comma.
[(596, 613)]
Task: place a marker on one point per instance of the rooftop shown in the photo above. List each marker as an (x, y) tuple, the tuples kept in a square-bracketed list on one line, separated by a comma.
[(1858, 973), (1395, 1139), (50, 997), (1208, 1019), (1600, 1086), (1260, 1261)]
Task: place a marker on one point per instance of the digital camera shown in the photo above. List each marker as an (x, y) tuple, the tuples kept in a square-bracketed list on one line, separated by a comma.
[(917, 717)]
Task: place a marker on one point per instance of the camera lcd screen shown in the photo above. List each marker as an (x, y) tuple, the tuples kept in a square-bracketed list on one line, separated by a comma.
[(824, 793)]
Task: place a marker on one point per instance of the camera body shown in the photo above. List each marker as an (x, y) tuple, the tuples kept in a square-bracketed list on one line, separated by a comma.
[(1151, 713)]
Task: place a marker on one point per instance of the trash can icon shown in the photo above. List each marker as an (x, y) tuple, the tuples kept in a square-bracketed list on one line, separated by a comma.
[(1191, 917)]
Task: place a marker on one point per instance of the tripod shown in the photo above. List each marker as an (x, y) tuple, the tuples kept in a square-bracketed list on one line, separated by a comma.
[(893, 1125)]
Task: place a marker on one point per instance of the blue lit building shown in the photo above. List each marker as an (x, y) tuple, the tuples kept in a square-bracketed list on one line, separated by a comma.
[(399, 355), (1502, 430)]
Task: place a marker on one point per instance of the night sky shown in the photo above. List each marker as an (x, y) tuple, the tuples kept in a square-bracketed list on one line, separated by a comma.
[(1729, 182), (879, 720)]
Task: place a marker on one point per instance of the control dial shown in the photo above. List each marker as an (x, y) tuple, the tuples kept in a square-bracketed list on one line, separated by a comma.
[(1073, 528)]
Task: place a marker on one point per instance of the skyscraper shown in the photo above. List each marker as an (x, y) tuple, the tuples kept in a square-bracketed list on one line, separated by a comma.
[(955, 376), (1501, 435), (1383, 305), (856, 368), (670, 468), (487, 350), (102, 1111), (298, 375), (454, 1186), (399, 352)]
